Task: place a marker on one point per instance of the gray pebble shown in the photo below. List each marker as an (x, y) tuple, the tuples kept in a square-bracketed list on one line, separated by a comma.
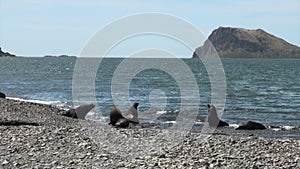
[(62, 142)]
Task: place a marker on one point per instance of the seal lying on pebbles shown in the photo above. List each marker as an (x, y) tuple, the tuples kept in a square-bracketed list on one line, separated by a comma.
[(250, 125), (2, 95), (79, 112), (213, 119), (118, 120)]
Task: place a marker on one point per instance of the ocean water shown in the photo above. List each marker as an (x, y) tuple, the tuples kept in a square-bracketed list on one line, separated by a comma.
[(264, 90)]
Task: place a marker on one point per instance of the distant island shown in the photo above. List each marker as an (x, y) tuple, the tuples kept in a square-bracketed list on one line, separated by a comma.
[(246, 43), (60, 56), (234, 43), (6, 54)]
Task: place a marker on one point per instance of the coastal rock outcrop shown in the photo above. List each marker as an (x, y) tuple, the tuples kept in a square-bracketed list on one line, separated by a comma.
[(5, 54), (246, 43)]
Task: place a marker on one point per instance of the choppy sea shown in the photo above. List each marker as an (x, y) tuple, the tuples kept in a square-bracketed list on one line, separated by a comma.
[(263, 90)]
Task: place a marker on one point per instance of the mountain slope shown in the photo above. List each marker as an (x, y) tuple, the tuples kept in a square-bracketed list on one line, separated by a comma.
[(239, 42)]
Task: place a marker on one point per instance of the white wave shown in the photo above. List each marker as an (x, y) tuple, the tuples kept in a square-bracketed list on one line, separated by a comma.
[(284, 128), (97, 117), (234, 125), (161, 112), (275, 129), (170, 122), (199, 122), (289, 127), (56, 103)]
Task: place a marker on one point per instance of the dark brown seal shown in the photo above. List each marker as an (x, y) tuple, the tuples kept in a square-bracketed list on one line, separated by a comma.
[(213, 119), (79, 112), (251, 125), (117, 119), (2, 95)]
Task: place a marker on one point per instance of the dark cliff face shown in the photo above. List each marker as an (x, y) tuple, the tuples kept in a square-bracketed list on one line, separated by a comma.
[(5, 54), (239, 42)]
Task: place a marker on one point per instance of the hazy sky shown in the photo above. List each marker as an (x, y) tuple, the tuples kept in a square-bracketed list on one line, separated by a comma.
[(40, 27)]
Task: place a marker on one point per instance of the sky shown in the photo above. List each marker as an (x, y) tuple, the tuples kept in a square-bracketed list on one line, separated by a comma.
[(56, 27)]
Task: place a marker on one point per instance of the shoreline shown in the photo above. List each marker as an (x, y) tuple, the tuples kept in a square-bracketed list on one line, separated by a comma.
[(62, 142), (62, 107)]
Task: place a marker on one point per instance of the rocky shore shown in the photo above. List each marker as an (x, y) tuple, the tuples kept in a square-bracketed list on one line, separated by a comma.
[(37, 136)]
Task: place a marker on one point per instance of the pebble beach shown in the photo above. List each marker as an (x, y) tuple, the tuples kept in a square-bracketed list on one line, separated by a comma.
[(37, 136)]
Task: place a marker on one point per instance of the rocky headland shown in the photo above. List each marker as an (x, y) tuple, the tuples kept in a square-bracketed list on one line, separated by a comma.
[(6, 54), (246, 43)]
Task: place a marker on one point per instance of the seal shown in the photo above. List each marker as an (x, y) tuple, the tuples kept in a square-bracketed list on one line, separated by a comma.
[(2, 95), (213, 119), (250, 125), (123, 123), (79, 112), (117, 119), (83, 110), (133, 113)]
